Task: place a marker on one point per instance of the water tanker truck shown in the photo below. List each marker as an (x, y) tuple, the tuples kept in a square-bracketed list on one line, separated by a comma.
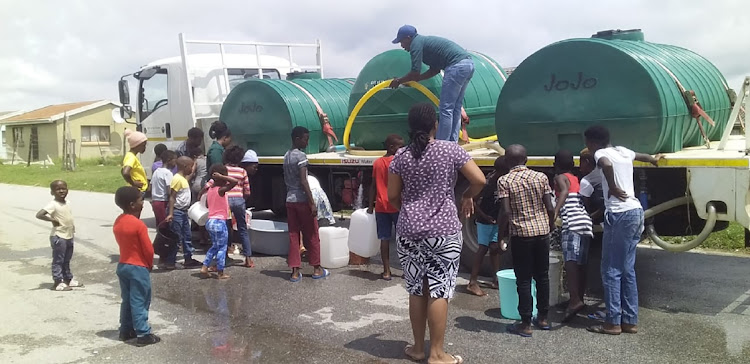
[(654, 98)]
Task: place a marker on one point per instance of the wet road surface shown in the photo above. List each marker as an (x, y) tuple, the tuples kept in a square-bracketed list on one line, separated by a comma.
[(695, 308)]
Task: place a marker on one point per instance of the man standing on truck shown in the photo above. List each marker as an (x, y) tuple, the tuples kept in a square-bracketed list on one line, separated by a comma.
[(623, 226), (439, 54)]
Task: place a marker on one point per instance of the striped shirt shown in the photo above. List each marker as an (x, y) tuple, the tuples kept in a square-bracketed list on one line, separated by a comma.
[(573, 212), (526, 189), (241, 189)]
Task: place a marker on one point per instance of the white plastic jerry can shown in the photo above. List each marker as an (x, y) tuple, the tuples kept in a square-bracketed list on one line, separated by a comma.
[(363, 234), (334, 250)]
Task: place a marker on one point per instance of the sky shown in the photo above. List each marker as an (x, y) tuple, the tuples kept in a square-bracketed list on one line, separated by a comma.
[(74, 50)]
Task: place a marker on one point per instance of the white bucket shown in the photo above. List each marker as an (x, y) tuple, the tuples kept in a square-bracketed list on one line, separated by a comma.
[(198, 212)]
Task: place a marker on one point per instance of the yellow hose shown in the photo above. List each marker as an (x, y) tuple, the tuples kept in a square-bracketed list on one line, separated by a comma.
[(382, 85)]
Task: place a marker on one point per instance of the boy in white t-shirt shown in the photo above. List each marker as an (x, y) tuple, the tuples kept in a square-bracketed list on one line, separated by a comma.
[(623, 226), (61, 238), (161, 180)]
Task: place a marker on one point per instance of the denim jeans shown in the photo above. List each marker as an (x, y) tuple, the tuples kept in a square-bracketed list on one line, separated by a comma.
[(237, 206), (62, 252), (455, 81), (181, 227), (531, 260), (135, 288), (219, 240), (622, 232)]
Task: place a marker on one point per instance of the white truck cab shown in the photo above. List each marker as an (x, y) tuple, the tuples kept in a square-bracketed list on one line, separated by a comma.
[(178, 93)]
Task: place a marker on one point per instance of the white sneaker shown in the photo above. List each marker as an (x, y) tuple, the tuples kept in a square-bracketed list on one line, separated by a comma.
[(74, 283), (62, 287)]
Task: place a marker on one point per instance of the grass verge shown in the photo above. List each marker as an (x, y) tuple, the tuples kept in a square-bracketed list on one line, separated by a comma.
[(730, 239), (87, 176)]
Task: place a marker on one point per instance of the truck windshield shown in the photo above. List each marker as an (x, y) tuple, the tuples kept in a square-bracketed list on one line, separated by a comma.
[(240, 75), (153, 93)]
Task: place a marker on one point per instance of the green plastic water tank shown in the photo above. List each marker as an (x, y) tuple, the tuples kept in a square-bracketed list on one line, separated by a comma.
[(614, 79), (262, 113), (386, 112), (303, 75)]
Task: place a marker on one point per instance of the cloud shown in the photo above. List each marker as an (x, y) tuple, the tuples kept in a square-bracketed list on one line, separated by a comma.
[(55, 51)]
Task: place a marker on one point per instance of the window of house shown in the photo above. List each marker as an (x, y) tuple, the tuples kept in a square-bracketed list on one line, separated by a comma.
[(18, 137), (94, 134)]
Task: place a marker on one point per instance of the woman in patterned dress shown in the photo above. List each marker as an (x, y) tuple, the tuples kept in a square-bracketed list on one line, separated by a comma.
[(421, 183)]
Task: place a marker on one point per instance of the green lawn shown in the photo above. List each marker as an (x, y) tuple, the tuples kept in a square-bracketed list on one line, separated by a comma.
[(87, 177), (730, 239)]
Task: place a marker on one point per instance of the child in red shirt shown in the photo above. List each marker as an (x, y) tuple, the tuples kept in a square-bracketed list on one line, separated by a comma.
[(386, 216), (136, 261)]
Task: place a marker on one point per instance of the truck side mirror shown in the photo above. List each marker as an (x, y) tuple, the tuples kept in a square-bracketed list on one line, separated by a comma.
[(126, 112), (124, 90)]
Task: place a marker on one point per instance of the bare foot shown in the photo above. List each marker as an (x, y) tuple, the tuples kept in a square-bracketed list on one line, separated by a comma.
[(204, 271), (249, 263), (413, 354), (474, 289), (446, 359), (223, 275), (386, 276)]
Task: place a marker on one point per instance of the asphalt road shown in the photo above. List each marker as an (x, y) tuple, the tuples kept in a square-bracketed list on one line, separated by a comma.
[(695, 308)]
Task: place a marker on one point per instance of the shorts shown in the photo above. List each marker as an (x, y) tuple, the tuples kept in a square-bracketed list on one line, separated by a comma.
[(385, 222), (486, 234), (575, 247)]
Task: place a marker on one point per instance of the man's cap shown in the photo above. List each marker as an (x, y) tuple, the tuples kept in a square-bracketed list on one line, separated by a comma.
[(405, 31), (250, 157)]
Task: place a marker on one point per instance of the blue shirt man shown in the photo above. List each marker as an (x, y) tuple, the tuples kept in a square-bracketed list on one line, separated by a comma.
[(439, 54)]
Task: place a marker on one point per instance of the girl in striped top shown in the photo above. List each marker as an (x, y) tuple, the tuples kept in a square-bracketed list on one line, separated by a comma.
[(577, 231), (236, 197)]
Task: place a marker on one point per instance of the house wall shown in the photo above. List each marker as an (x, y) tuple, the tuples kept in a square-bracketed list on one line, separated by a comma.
[(98, 117), (52, 136), (47, 140)]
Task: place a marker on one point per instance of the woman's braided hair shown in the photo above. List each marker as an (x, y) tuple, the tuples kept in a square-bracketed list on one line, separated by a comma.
[(422, 119)]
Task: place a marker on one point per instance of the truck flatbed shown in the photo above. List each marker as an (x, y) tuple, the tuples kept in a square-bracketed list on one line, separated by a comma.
[(733, 156)]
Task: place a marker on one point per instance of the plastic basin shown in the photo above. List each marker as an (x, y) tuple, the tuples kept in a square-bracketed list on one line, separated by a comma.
[(508, 292), (269, 237)]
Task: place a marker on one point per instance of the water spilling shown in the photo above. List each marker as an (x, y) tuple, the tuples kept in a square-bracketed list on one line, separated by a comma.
[(358, 199)]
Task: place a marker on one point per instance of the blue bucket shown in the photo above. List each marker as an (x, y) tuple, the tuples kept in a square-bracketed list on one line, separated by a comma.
[(508, 291)]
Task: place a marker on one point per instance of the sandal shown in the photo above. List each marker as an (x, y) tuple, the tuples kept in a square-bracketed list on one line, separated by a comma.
[(571, 314), (546, 327), (251, 264), (457, 359), (223, 276), (295, 280), (598, 316), (325, 274), (514, 329), (601, 330), (388, 278), (410, 356)]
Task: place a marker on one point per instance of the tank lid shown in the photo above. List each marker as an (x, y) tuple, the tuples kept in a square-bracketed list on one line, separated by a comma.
[(612, 34)]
